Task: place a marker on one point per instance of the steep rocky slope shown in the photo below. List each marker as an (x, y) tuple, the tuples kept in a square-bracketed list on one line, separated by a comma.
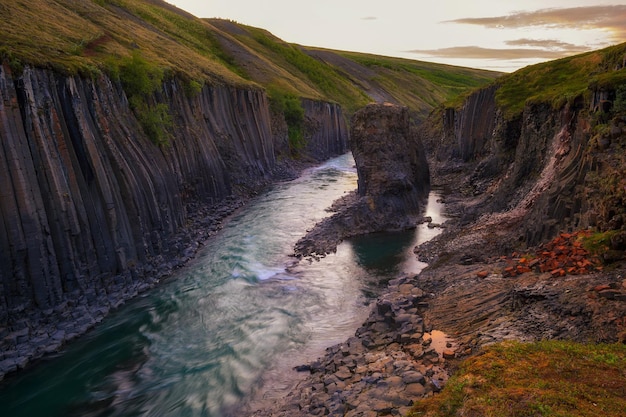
[(540, 155)]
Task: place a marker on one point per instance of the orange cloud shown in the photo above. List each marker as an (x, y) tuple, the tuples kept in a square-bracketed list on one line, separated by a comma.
[(549, 44), (477, 52), (610, 18)]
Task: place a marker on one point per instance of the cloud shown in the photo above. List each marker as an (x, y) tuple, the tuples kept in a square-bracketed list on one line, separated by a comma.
[(549, 44), (369, 18), (477, 52), (610, 18)]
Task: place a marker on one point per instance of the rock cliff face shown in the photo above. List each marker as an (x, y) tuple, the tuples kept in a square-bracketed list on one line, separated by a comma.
[(537, 167), (390, 160), (92, 212), (326, 131), (393, 180)]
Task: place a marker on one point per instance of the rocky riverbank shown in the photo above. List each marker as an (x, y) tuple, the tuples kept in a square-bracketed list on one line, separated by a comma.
[(423, 325), (393, 359)]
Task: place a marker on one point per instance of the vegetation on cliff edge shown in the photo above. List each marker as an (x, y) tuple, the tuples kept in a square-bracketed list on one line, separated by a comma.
[(86, 37), (547, 378), (563, 80)]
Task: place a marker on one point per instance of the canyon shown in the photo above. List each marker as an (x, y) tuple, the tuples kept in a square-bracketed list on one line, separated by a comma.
[(94, 213)]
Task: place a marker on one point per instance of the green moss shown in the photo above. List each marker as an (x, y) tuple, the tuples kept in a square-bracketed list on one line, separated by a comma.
[(290, 106), (141, 80), (192, 88), (598, 242), (138, 76)]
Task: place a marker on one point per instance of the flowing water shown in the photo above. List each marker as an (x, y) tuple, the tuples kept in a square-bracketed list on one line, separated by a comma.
[(230, 325)]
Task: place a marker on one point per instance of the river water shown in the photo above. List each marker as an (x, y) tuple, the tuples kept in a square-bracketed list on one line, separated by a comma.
[(230, 326)]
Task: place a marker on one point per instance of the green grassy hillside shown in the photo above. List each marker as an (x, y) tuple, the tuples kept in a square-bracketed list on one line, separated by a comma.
[(563, 80), (94, 36)]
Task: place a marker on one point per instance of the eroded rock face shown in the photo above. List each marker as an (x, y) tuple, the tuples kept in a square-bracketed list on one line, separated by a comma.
[(389, 157), (393, 181)]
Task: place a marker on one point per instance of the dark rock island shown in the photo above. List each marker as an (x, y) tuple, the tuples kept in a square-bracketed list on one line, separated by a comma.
[(393, 180)]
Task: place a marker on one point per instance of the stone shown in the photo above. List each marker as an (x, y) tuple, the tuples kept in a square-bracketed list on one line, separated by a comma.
[(448, 354), (394, 381), (343, 373), (381, 407), (405, 288), (415, 390), (413, 377), (609, 294)]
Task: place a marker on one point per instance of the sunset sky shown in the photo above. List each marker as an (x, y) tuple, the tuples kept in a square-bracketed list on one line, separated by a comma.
[(499, 35)]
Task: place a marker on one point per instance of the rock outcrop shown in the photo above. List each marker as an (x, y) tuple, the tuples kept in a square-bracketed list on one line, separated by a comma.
[(393, 180), (93, 212), (390, 159)]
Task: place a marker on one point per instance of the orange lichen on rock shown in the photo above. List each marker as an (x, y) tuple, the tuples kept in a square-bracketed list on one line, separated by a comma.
[(561, 256)]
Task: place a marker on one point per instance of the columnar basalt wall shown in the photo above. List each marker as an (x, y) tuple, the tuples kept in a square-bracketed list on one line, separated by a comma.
[(326, 130), (92, 212)]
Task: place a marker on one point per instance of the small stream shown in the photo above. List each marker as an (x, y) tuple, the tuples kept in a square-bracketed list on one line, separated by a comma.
[(230, 326)]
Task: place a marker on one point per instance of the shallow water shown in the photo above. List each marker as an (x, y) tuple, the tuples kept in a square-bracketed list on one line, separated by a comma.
[(230, 325)]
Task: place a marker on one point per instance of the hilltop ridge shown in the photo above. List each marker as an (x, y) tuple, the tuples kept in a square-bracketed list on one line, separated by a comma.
[(95, 36)]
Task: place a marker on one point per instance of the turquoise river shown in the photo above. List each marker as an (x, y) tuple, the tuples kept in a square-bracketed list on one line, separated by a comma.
[(222, 336)]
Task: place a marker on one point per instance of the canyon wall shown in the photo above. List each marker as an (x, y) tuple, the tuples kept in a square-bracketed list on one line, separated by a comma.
[(540, 167), (92, 212)]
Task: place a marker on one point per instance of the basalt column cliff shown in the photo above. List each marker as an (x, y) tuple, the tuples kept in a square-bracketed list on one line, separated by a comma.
[(92, 212), (393, 180)]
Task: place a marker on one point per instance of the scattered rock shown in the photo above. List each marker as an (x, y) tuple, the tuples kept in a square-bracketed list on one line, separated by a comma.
[(379, 371)]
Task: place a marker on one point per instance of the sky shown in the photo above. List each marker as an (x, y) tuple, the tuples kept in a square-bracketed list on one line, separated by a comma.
[(502, 35)]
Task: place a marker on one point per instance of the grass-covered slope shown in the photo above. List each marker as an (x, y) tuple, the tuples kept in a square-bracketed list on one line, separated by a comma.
[(350, 78), (548, 378), (560, 81), (92, 36)]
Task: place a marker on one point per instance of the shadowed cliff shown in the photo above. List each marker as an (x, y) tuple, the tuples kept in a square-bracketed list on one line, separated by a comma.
[(543, 147)]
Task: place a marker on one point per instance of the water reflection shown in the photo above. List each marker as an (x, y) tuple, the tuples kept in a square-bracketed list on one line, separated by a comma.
[(391, 253), (382, 253)]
